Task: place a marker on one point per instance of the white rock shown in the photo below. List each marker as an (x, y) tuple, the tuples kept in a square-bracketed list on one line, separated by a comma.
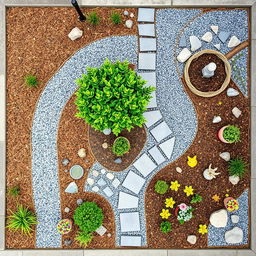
[(103, 171), (101, 230), (234, 218), (233, 42), (192, 239), (129, 23), (95, 173), (219, 219), (234, 179), (71, 188), (236, 112), (106, 131), (195, 43), (95, 189), (234, 236), (184, 55), (178, 169), (232, 92), (217, 46), (207, 37), (126, 13), (225, 156), (81, 152), (215, 29), (216, 119), (90, 181), (131, 15), (110, 176), (67, 210), (75, 33)]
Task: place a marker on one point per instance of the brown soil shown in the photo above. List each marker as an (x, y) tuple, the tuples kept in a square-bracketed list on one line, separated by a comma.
[(207, 147), (137, 138), (207, 84), (37, 43)]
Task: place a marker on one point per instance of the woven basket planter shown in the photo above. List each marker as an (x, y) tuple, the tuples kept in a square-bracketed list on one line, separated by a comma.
[(210, 93)]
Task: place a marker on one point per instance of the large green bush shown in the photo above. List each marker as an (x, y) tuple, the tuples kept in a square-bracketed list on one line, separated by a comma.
[(112, 96)]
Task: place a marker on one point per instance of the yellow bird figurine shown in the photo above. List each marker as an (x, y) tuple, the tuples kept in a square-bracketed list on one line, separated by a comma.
[(192, 161)]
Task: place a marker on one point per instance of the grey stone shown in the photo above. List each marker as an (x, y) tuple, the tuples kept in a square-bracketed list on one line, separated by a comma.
[(183, 42), (152, 117), (101, 182), (101, 230), (234, 236), (118, 160), (71, 188), (157, 155), (195, 43), (234, 218), (130, 240), (108, 191), (116, 182), (127, 201), (147, 61), (223, 36), (107, 131), (146, 15), (161, 131), (147, 44), (167, 147), (79, 201), (144, 165), (65, 161), (126, 13), (133, 182), (129, 23), (231, 92), (67, 242), (129, 221), (146, 29)]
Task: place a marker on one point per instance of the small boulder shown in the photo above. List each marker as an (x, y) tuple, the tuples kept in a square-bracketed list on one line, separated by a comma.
[(75, 33), (178, 169), (118, 160), (192, 239), (65, 161), (66, 210), (234, 218), (195, 43), (207, 37), (72, 188), (234, 236), (225, 156), (79, 201), (233, 42), (231, 92), (67, 242), (216, 119), (107, 131), (129, 23), (184, 55), (234, 179), (236, 112), (219, 219), (81, 153)]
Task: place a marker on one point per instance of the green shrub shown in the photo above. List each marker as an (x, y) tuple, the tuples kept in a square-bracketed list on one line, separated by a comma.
[(116, 18), (22, 220), (88, 216), (31, 80), (231, 133), (196, 199), (161, 187), (165, 226), (121, 146), (112, 96), (93, 18), (237, 167), (84, 238), (14, 191)]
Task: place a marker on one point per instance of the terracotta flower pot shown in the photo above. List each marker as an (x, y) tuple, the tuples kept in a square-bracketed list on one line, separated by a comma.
[(226, 200), (176, 211), (220, 134), (64, 226)]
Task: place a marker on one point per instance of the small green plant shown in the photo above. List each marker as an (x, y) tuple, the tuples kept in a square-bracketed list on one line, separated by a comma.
[(231, 134), (31, 80), (121, 146), (116, 18), (237, 167), (161, 187), (88, 216), (22, 220), (165, 227), (93, 18), (84, 238), (14, 191), (196, 199)]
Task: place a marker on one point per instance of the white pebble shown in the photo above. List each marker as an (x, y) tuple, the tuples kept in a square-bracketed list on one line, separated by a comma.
[(178, 169), (90, 181), (236, 112), (216, 119), (110, 176), (95, 173)]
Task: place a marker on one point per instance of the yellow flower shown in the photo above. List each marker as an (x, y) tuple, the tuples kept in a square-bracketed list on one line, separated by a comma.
[(216, 198), (202, 229), (188, 190), (174, 185), (169, 202), (219, 103), (165, 214)]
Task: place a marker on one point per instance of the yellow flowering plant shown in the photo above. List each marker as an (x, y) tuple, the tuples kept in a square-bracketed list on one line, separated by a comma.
[(188, 190), (174, 185), (169, 202), (203, 229), (165, 214)]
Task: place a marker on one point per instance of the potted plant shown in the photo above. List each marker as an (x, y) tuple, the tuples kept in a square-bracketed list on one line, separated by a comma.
[(231, 204), (121, 146), (229, 134), (183, 213), (64, 226)]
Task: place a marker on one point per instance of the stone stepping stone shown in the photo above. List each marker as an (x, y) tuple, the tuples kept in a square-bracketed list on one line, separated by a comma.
[(146, 30), (127, 201), (130, 240), (116, 183), (167, 147), (133, 182), (223, 36), (72, 188), (108, 191), (101, 182), (146, 15), (152, 117), (144, 165), (161, 131), (147, 61), (129, 221), (157, 155), (147, 44), (150, 77)]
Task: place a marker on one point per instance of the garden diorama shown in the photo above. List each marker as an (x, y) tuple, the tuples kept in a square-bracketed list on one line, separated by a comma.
[(128, 128)]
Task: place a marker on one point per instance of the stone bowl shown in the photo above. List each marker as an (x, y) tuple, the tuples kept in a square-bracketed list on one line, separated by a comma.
[(76, 172)]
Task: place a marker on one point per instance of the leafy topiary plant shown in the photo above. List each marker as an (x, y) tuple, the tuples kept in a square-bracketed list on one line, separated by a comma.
[(237, 167), (116, 18), (14, 191), (88, 216), (31, 80), (84, 238), (231, 134), (165, 227), (121, 146), (112, 96), (161, 187), (196, 199), (93, 18)]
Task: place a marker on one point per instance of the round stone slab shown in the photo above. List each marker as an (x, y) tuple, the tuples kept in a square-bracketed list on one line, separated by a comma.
[(76, 172)]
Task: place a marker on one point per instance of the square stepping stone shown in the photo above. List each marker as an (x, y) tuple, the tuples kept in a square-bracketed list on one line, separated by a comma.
[(152, 117), (116, 183), (133, 182), (144, 165), (127, 201), (161, 131), (146, 30), (101, 230), (147, 61), (167, 147), (101, 182), (147, 44), (150, 77), (146, 15), (129, 221), (108, 191), (157, 155), (130, 240), (152, 103)]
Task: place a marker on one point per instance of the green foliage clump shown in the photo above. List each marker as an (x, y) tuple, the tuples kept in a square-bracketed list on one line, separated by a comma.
[(121, 146), (93, 18), (231, 134), (161, 187), (165, 226), (14, 191), (112, 96), (88, 216), (84, 238), (22, 220), (237, 167), (196, 199), (116, 18), (31, 80)]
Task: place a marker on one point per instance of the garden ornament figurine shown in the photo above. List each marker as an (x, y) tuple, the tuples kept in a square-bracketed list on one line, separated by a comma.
[(208, 70), (192, 161)]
